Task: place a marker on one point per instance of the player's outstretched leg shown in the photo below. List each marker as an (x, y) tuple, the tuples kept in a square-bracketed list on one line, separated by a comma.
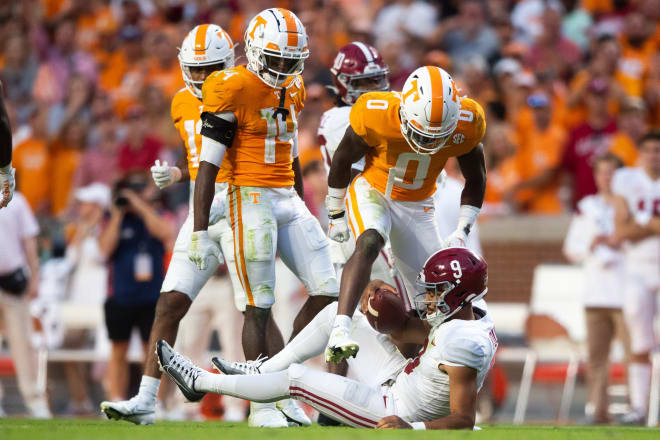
[(140, 409)]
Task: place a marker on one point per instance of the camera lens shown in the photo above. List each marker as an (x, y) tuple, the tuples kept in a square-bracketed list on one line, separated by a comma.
[(121, 201)]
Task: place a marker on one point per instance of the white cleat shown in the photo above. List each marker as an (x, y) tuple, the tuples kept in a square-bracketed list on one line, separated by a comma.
[(133, 410), (232, 368), (340, 346), (181, 369), (38, 409), (293, 412), (266, 415)]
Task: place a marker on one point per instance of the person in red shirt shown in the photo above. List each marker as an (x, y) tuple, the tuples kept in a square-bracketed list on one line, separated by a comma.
[(588, 141), (140, 150)]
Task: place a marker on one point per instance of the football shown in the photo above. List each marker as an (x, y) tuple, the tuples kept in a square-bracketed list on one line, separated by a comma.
[(385, 311)]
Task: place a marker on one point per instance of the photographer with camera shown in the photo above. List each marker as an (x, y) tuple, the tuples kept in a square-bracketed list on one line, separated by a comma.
[(19, 283), (133, 243)]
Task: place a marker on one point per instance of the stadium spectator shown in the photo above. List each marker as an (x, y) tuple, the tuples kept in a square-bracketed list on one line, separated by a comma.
[(19, 283), (140, 149), (133, 242), (19, 72), (6, 170), (590, 242)]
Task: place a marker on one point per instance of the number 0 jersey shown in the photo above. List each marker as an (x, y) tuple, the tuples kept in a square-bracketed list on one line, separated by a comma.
[(186, 111), (265, 142), (392, 167)]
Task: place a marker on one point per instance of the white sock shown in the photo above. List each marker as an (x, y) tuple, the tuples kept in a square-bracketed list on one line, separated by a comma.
[(149, 390), (639, 382), (310, 342), (258, 388)]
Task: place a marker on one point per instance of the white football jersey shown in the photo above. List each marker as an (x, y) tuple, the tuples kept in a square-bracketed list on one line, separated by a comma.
[(643, 197), (421, 390), (334, 123)]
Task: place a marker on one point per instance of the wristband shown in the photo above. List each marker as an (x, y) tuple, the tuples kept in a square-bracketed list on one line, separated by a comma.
[(343, 321), (467, 216), (201, 234), (336, 215), (338, 193), (418, 426)]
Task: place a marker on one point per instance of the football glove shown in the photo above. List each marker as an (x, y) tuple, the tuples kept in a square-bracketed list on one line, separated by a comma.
[(7, 185), (458, 238), (164, 175), (334, 203), (202, 248), (340, 345)]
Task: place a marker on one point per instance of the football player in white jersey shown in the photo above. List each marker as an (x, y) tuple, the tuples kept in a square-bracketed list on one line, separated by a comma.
[(358, 68), (637, 222), (436, 390)]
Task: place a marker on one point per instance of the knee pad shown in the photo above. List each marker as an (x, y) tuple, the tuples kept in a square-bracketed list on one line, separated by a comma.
[(259, 244)]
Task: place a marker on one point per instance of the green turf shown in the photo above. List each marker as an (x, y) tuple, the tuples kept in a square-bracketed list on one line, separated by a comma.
[(69, 429)]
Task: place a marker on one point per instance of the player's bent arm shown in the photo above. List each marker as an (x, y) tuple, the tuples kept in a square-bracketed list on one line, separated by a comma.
[(5, 133), (415, 332), (473, 167), (218, 132), (350, 150), (462, 399), (625, 227)]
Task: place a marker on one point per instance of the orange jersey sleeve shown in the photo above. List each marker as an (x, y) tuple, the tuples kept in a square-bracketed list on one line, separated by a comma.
[(261, 154), (186, 112), (392, 167)]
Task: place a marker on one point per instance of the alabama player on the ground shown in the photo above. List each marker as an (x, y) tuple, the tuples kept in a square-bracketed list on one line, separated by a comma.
[(207, 48), (436, 390), (637, 221), (358, 68), (406, 139), (250, 115)]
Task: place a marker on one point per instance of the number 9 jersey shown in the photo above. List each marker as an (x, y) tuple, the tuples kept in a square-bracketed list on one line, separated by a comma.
[(391, 166)]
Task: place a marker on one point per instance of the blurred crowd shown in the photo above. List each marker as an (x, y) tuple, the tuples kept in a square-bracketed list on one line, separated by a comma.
[(88, 85)]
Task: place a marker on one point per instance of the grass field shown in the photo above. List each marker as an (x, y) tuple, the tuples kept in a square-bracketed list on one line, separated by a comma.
[(69, 429)]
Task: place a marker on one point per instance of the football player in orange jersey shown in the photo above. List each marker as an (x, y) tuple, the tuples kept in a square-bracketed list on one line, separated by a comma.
[(207, 48), (406, 139), (250, 115), (7, 182)]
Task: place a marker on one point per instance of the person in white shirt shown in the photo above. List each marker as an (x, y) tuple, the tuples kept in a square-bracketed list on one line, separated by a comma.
[(637, 223), (590, 242), (19, 283), (7, 182), (436, 390)]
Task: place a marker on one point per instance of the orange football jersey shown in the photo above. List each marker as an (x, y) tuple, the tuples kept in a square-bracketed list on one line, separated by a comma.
[(186, 113), (261, 154), (392, 167)]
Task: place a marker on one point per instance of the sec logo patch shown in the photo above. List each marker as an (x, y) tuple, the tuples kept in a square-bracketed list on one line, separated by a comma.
[(458, 138)]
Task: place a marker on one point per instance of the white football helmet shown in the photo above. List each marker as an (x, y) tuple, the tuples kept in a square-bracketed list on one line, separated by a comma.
[(430, 105), (206, 46), (276, 45)]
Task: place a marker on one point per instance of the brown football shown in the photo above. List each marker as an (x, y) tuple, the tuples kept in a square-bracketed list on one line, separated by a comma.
[(385, 312)]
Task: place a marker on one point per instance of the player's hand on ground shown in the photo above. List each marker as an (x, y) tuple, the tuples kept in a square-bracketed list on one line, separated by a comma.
[(7, 185), (202, 248), (458, 238), (217, 211), (164, 175), (369, 291), (393, 422)]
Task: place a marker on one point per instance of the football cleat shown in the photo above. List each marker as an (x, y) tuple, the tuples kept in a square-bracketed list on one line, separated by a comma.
[(181, 369), (293, 412), (233, 368), (340, 346), (133, 410), (266, 415)]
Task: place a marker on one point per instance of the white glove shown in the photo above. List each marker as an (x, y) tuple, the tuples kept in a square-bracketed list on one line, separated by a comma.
[(340, 345), (334, 203), (458, 238), (217, 211), (202, 248), (7, 185), (467, 216), (164, 175)]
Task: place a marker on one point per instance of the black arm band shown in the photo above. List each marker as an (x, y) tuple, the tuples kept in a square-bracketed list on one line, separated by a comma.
[(218, 129), (336, 215)]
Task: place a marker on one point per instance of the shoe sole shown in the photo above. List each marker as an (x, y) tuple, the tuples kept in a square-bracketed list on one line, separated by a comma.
[(190, 396), (113, 414)]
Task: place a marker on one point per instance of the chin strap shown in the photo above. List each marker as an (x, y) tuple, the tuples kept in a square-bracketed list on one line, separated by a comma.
[(281, 109)]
